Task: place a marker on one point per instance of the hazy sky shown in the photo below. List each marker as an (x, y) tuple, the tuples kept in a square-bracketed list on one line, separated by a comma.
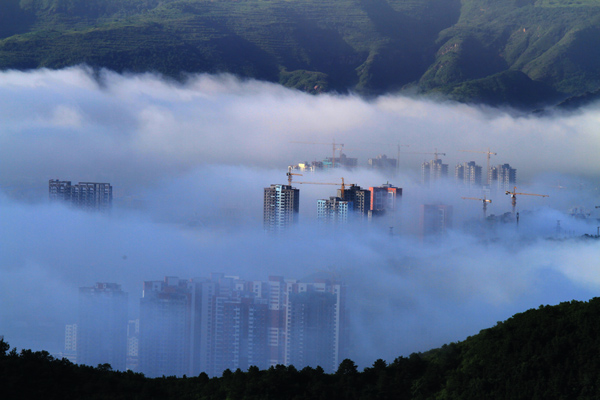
[(188, 163)]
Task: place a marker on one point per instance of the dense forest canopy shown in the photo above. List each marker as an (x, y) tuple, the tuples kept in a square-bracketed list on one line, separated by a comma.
[(520, 52)]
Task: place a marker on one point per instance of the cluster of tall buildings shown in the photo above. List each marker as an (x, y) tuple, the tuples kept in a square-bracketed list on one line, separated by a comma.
[(282, 204), (381, 162), (86, 195), (189, 326), (500, 177)]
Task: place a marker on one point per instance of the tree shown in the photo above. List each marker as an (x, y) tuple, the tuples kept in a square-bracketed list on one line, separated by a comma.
[(105, 367), (3, 347), (347, 367)]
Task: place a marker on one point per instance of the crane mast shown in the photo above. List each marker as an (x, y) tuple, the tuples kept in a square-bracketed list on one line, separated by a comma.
[(290, 175), (514, 194), (484, 201)]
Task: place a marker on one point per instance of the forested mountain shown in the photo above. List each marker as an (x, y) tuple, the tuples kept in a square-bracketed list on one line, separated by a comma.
[(547, 353), (521, 52)]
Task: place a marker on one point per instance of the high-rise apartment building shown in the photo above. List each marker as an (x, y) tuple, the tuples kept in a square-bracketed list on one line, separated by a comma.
[(59, 190), (340, 162), (165, 317), (435, 219), (102, 325), (133, 345), (70, 350), (71, 338), (334, 210), (503, 177), (384, 197), (433, 170), (87, 195), (316, 330), (276, 290), (361, 199), (468, 174), (382, 162), (241, 333), (281, 206), (209, 325)]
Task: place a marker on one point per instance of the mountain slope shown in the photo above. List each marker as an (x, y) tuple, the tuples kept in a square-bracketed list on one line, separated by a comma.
[(544, 353), (371, 46), (552, 41)]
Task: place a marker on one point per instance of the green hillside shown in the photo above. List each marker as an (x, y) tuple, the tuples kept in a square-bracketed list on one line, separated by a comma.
[(369, 46), (553, 42), (546, 353)]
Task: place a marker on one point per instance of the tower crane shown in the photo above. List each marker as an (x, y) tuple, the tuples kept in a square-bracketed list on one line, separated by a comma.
[(334, 148), (488, 153), (328, 183), (290, 174), (435, 153), (484, 201), (514, 194)]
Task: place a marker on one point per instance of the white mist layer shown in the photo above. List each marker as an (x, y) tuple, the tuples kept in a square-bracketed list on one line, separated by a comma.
[(188, 163)]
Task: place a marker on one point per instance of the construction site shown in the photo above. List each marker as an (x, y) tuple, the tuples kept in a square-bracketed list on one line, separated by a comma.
[(436, 202)]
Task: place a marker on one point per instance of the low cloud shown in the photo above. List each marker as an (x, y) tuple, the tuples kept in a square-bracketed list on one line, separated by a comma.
[(188, 163)]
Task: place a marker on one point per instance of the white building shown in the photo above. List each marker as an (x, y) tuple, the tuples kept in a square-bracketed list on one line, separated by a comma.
[(334, 210), (281, 206)]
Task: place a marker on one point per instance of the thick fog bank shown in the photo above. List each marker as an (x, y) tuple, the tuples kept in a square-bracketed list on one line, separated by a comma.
[(188, 164)]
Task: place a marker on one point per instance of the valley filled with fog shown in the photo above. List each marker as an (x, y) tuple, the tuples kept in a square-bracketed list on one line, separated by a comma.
[(188, 163)]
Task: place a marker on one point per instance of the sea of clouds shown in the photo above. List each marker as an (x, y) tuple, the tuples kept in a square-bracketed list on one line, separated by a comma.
[(189, 160)]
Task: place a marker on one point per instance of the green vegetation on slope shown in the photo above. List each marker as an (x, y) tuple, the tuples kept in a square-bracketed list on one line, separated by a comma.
[(370, 46), (505, 88), (547, 353), (553, 42)]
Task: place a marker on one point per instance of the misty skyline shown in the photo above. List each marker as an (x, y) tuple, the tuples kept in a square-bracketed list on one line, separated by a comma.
[(197, 155)]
